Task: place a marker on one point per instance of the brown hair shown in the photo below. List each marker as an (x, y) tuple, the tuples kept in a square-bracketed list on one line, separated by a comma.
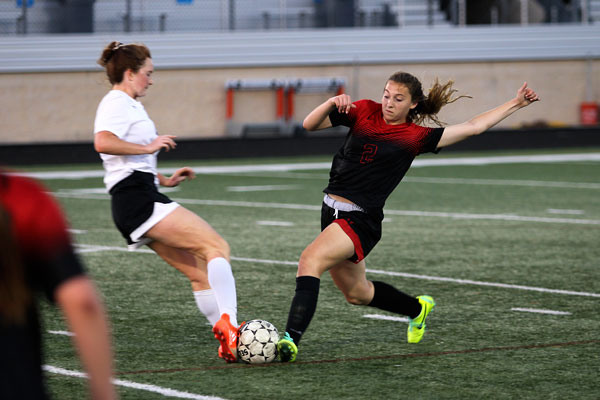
[(427, 106), (117, 58), (15, 296)]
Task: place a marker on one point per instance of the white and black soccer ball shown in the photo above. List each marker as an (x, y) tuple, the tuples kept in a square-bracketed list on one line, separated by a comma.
[(258, 342)]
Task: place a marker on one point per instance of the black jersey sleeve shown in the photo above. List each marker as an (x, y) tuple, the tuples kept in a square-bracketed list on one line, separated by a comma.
[(348, 119), (52, 253), (338, 118), (41, 234), (431, 141), (58, 269)]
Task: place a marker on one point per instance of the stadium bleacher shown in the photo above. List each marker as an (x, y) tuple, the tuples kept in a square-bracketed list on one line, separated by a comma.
[(107, 16)]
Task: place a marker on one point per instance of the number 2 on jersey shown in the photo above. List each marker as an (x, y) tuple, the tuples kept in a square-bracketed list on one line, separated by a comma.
[(369, 154)]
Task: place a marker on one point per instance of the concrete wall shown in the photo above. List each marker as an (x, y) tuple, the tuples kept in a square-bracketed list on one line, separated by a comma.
[(190, 103)]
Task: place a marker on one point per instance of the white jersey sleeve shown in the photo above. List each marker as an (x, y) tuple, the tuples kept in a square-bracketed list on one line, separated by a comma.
[(113, 116)]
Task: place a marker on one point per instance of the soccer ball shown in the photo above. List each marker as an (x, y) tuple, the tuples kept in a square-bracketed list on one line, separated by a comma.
[(258, 342)]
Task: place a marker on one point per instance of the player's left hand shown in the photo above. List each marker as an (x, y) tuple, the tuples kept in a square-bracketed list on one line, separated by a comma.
[(526, 95), (182, 174)]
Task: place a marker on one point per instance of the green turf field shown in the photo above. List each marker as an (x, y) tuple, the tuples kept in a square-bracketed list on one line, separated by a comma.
[(510, 251)]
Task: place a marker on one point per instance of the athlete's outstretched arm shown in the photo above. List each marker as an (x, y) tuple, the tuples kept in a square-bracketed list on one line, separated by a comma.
[(108, 143), (182, 174), (482, 122), (317, 119)]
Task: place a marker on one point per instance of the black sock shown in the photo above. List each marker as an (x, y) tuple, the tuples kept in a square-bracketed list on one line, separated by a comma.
[(389, 298), (303, 306)]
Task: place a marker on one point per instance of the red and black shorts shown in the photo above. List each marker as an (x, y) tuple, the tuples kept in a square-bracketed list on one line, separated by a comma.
[(363, 229)]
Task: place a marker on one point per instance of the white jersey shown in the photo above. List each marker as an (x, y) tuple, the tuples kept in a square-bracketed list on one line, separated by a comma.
[(125, 117)]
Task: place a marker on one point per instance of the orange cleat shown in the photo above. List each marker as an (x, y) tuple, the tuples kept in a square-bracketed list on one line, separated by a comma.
[(227, 334)]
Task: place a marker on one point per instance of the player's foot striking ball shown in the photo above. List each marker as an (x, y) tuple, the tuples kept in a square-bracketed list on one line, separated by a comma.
[(227, 334), (287, 349)]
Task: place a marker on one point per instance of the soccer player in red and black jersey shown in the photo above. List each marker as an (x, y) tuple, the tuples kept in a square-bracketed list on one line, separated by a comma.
[(383, 141), (36, 257)]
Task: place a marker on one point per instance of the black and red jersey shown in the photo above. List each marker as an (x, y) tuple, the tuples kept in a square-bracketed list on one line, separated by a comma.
[(375, 156), (46, 254), (41, 233)]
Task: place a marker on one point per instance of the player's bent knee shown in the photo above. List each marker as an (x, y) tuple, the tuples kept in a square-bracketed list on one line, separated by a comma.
[(225, 248), (196, 280), (357, 301), (310, 264), (220, 248), (211, 248), (357, 295)]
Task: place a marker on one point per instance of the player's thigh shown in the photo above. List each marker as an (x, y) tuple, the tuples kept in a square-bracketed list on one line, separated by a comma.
[(352, 281), (185, 262), (185, 230), (328, 249)]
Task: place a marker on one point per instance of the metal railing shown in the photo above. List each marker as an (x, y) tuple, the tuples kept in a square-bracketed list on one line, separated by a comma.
[(310, 47), (20, 17), (522, 12)]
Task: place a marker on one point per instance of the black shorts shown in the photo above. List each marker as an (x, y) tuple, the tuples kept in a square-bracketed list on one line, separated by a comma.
[(363, 229), (137, 205)]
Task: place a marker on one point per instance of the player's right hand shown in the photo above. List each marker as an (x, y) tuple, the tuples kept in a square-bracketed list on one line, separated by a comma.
[(343, 103)]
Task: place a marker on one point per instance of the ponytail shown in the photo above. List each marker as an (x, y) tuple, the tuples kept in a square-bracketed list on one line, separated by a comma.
[(427, 106), (116, 58)]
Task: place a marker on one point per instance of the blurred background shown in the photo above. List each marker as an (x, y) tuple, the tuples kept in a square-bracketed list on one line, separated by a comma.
[(110, 16), (244, 69)]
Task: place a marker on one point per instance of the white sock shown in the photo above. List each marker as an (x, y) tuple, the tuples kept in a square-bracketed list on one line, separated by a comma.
[(222, 283), (207, 304)]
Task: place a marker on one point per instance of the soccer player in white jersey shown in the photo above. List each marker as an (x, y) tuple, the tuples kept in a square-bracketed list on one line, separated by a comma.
[(128, 143)]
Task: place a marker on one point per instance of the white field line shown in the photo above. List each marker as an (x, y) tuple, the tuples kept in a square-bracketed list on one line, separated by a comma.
[(293, 175), (560, 211), (386, 317), (451, 181), (89, 248), (504, 182), (275, 223), (141, 386), (64, 333), (94, 248), (480, 283), (497, 217), (260, 261), (541, 158), (262, 188), (290, 206), (102, 190), (535, 310)]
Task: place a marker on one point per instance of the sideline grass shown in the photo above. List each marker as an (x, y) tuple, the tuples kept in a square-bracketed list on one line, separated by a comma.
[(475, 346)]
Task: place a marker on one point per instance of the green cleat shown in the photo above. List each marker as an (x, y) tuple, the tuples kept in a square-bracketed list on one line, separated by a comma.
[(287, 349), (416, 327)]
